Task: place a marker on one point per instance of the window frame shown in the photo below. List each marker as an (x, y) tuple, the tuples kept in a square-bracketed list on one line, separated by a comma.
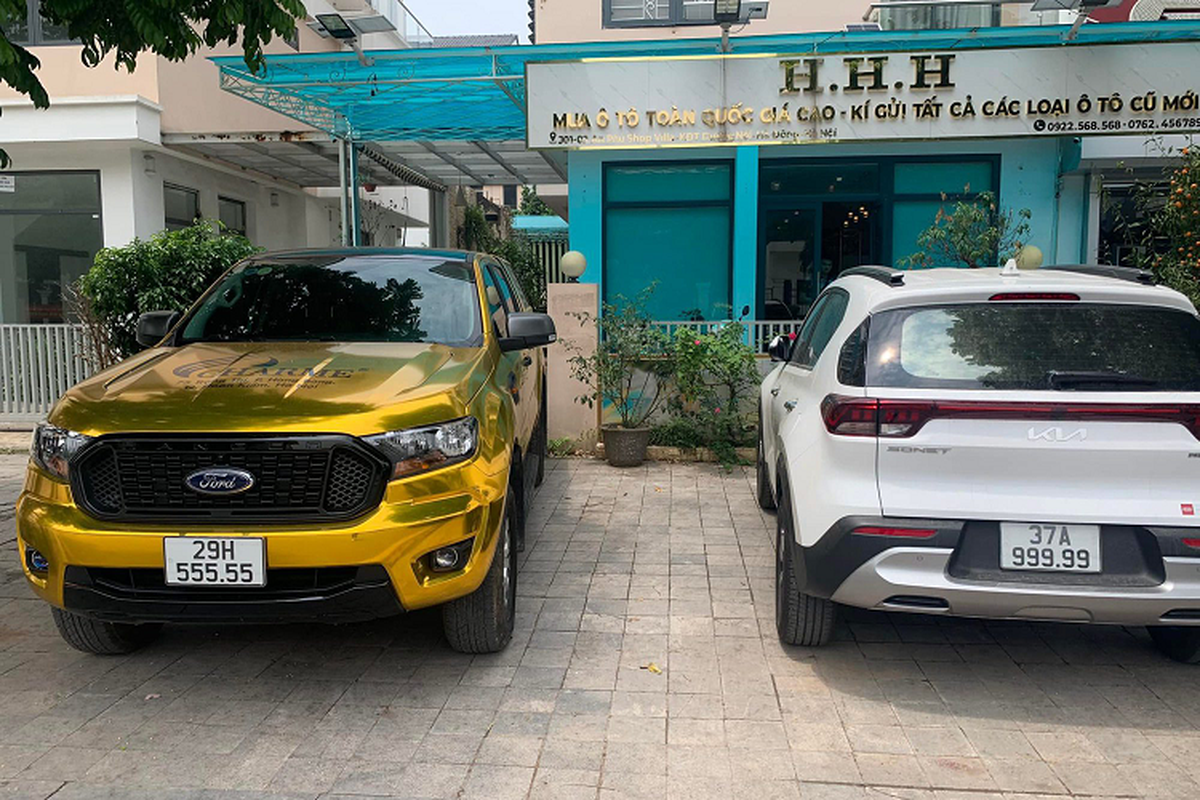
[(177, 222), (675, 18), (36, 34), (222, 199)]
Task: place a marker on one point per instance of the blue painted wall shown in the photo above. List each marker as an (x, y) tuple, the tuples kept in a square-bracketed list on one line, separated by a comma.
[(1030, 172)]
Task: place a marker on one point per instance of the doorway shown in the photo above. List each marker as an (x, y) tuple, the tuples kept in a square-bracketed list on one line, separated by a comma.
[(807, 246)]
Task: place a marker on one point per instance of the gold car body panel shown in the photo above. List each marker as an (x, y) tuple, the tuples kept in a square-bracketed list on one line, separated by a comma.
[(357, 389)]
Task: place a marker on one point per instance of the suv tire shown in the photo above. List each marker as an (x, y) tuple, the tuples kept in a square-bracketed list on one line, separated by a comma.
[(800, 618), (766, 497), (482, 622), (1177, 641), (102, 638)]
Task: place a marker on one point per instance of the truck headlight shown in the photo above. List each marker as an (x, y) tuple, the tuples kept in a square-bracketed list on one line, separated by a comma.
[(431, 447), (53, 448)]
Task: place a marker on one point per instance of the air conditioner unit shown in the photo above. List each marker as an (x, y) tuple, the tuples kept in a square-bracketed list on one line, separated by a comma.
[(858, 27)]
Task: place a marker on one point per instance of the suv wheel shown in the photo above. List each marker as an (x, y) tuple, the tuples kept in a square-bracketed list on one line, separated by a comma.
[(102, 638), (800, 619), (766, 497), (1179, 642), (482, 622)]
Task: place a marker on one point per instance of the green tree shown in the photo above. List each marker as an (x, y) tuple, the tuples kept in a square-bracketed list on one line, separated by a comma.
[(1171, 242), (477, 234), (174, 29), (975, 233), (532, 205), (168, 271), (717, 377)]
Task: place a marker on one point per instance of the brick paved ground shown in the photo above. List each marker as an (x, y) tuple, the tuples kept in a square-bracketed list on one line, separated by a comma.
[(645, 666)]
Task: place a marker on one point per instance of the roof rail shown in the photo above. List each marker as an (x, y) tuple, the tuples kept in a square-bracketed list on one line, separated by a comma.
[(892, 277), (1131, 274)]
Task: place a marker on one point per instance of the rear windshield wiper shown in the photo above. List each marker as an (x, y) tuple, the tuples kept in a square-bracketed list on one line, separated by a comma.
[(1074, 379)]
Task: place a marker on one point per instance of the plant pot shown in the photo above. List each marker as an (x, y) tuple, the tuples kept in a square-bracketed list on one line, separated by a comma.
[(625, 447)]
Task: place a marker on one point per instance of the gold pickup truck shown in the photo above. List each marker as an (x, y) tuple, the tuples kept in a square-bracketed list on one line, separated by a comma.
[(327, 436)]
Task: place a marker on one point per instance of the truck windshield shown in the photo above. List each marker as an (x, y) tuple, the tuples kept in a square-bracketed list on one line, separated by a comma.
[(1030, 346), (342, 298)]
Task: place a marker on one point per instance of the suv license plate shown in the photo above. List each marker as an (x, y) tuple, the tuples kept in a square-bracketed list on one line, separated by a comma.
[(1045, 547), (209, 561)]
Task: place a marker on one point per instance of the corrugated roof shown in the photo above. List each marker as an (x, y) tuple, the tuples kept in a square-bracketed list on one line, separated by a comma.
[(477, 40)]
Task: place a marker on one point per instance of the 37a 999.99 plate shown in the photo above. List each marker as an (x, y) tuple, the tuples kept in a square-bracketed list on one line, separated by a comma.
[(1049, 547)]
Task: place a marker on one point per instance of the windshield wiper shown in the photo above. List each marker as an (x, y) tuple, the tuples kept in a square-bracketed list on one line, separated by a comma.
[(1074, 379)]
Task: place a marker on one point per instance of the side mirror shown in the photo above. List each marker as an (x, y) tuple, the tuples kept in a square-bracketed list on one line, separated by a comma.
[(154, 325), (528, 330), (780, 348)]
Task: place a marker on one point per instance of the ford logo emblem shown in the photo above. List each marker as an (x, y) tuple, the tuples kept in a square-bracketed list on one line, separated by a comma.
[(219, 480)]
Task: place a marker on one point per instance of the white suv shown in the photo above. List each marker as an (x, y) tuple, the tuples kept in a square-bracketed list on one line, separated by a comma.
[(988, 443)]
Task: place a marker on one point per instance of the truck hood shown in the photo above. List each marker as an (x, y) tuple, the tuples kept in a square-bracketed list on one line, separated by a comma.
[(355, 388)]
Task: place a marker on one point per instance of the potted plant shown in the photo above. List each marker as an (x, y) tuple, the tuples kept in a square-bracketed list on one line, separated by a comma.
[(627, 375)]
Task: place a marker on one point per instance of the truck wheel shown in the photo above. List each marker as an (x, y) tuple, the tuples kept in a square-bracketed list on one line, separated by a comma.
[(1177, 641), (542, 446), (800, 619), (766, 497), (102, 638), (482, 622)]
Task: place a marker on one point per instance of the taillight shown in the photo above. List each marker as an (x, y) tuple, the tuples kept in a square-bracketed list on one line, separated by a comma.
[(850, 416), (1192, 543), (1033, 296), (865, 416), (900, 533)]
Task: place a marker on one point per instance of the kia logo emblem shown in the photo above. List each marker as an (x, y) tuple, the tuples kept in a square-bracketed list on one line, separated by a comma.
[(219, 480)]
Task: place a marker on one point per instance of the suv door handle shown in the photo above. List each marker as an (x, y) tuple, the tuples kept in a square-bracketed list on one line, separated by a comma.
[(775, 392), (789, 405)]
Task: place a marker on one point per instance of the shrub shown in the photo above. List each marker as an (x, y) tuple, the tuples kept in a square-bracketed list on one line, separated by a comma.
[(632, 364), (976, 233), (1171, 243), (168, 271), (678, 431), (716, 376)]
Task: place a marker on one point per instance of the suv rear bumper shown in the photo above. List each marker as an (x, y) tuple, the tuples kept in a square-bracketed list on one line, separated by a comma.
[(917, 579), (1154, 577)]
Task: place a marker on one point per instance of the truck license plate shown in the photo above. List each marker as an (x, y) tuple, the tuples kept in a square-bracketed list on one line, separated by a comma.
[(210, 561), (1044, 547)]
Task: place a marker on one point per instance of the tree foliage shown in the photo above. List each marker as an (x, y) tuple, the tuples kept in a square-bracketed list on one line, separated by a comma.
[(1171, 240), (478, 235), (975, 233), (174, 29), (168, 271), (532, 205)]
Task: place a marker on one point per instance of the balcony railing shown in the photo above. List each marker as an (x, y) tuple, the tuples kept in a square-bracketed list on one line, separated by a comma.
[(759, 333)]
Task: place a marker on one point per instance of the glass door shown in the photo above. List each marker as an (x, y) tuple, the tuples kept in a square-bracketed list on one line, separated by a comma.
[(791, 270)]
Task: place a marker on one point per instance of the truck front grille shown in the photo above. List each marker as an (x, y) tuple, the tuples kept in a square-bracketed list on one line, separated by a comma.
[(296, 478)]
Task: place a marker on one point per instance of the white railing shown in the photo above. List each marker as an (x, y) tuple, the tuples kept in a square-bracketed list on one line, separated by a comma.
[(37, 364), (759, 333)]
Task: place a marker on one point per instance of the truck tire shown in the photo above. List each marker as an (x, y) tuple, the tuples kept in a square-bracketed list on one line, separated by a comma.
[(482, 622), (1177, 641), (800, 618), (102, 638)]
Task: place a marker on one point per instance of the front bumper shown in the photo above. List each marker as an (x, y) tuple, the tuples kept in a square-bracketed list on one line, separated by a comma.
[(1151, 577), (380, 555)]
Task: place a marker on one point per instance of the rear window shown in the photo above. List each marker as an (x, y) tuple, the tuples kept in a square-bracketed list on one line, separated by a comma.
[(1031, 346)]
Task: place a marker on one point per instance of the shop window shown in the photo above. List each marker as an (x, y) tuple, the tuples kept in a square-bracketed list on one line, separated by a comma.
[(232, 214), (820, 179), (50, 232), (29, 27), (1125, 213), (670, 223), (921, 189), (181, 206), (930, 17)]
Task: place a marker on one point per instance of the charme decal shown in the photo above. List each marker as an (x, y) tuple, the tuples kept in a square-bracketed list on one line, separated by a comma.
[(1073, 90), (235, 371)]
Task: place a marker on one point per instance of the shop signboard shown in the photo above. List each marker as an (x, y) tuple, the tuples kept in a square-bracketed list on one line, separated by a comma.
[(1070, 90)]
